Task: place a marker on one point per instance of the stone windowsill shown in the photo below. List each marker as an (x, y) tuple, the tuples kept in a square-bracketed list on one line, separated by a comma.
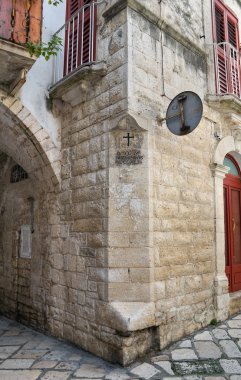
[(74, 86)]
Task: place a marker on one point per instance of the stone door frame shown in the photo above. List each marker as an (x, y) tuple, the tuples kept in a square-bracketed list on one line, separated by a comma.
[(228, 145)]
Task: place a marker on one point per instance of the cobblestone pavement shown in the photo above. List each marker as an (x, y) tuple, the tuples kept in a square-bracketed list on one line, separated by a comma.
[(211, 354)]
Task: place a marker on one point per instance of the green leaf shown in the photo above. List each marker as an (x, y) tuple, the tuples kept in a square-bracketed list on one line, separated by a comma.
[(45, 50)]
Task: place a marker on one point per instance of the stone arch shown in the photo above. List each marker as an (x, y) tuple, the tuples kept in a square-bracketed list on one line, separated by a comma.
[(225, 146), (26, 141), (27, 144), (228, 145)]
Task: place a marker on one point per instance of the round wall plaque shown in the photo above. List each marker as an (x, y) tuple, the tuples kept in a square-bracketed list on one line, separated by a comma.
[(184, 113)]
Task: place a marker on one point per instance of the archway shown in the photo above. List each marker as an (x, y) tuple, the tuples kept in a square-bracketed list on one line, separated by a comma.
[(29, 184)]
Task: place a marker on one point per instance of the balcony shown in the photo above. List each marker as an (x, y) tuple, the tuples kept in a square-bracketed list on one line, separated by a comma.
[(76, 59), (227, 69), (227, 75), (20, 23)]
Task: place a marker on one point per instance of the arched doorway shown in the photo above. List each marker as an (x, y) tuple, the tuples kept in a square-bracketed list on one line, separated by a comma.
[(29, 185), (232, 223)]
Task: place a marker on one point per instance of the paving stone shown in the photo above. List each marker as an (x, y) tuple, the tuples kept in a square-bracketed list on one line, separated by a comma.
[(16, 364), (67, 366), (89, 371), (47, 344), (75, 357), (173, 378), (4, 324), (159, 358), (145, 371), (235, 377), (166, 365), (234, 324), (203, 336), (7, 351), (118, 375), (183, 354), (13, 340), (237, 316), (20, 375), (230, 348), (185, 344), (230, 366), (11, 333), (235, 333), (30, 354), (45, 364), (55, 355), (208, 350), (56, 375), (40, 343), (220, 334), (205, 367), (192, 377), (214, 378), (222, 326)]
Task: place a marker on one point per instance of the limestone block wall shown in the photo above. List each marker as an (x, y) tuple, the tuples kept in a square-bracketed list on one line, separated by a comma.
[(78, 267), (123, 253), (184, 232), (163, 64)]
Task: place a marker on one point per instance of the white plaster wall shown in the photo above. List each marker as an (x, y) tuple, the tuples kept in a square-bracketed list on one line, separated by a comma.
[(34, 93)]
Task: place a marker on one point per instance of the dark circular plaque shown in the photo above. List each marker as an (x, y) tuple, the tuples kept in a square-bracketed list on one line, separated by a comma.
[(184, 113)]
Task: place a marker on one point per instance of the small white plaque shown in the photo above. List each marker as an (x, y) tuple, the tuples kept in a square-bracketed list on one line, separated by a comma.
[(26, 241)]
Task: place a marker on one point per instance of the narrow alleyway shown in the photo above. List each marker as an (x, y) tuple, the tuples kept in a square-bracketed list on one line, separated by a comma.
[(213, 353)]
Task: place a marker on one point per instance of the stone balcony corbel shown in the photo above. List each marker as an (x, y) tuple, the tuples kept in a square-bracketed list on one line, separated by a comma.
[(225, 104)]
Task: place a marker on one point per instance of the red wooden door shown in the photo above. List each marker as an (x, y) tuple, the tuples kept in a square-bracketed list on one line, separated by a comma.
[(232, 218)]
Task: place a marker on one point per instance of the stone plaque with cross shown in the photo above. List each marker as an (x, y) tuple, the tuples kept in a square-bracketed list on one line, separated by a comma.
[(128, 141)]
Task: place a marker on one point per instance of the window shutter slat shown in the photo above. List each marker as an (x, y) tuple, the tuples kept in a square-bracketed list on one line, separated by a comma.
[(220, 28), (79, 34), (232, 37), (74, 5), (222, 74)]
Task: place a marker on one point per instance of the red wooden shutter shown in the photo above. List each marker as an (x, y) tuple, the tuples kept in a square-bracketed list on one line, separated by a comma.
[(71, 37), (80, 34), (232, 32), (5, 17), (222, 73), (227, 50), (220, 30), (72, 7), (234, 59), (20, 21), (221, 50), (87, 32)]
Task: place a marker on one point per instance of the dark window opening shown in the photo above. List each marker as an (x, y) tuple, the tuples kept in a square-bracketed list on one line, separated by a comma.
[(18, 174)]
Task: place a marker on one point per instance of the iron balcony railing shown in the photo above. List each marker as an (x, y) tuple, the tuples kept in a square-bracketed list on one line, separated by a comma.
[(227, 69), (78, 37)]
